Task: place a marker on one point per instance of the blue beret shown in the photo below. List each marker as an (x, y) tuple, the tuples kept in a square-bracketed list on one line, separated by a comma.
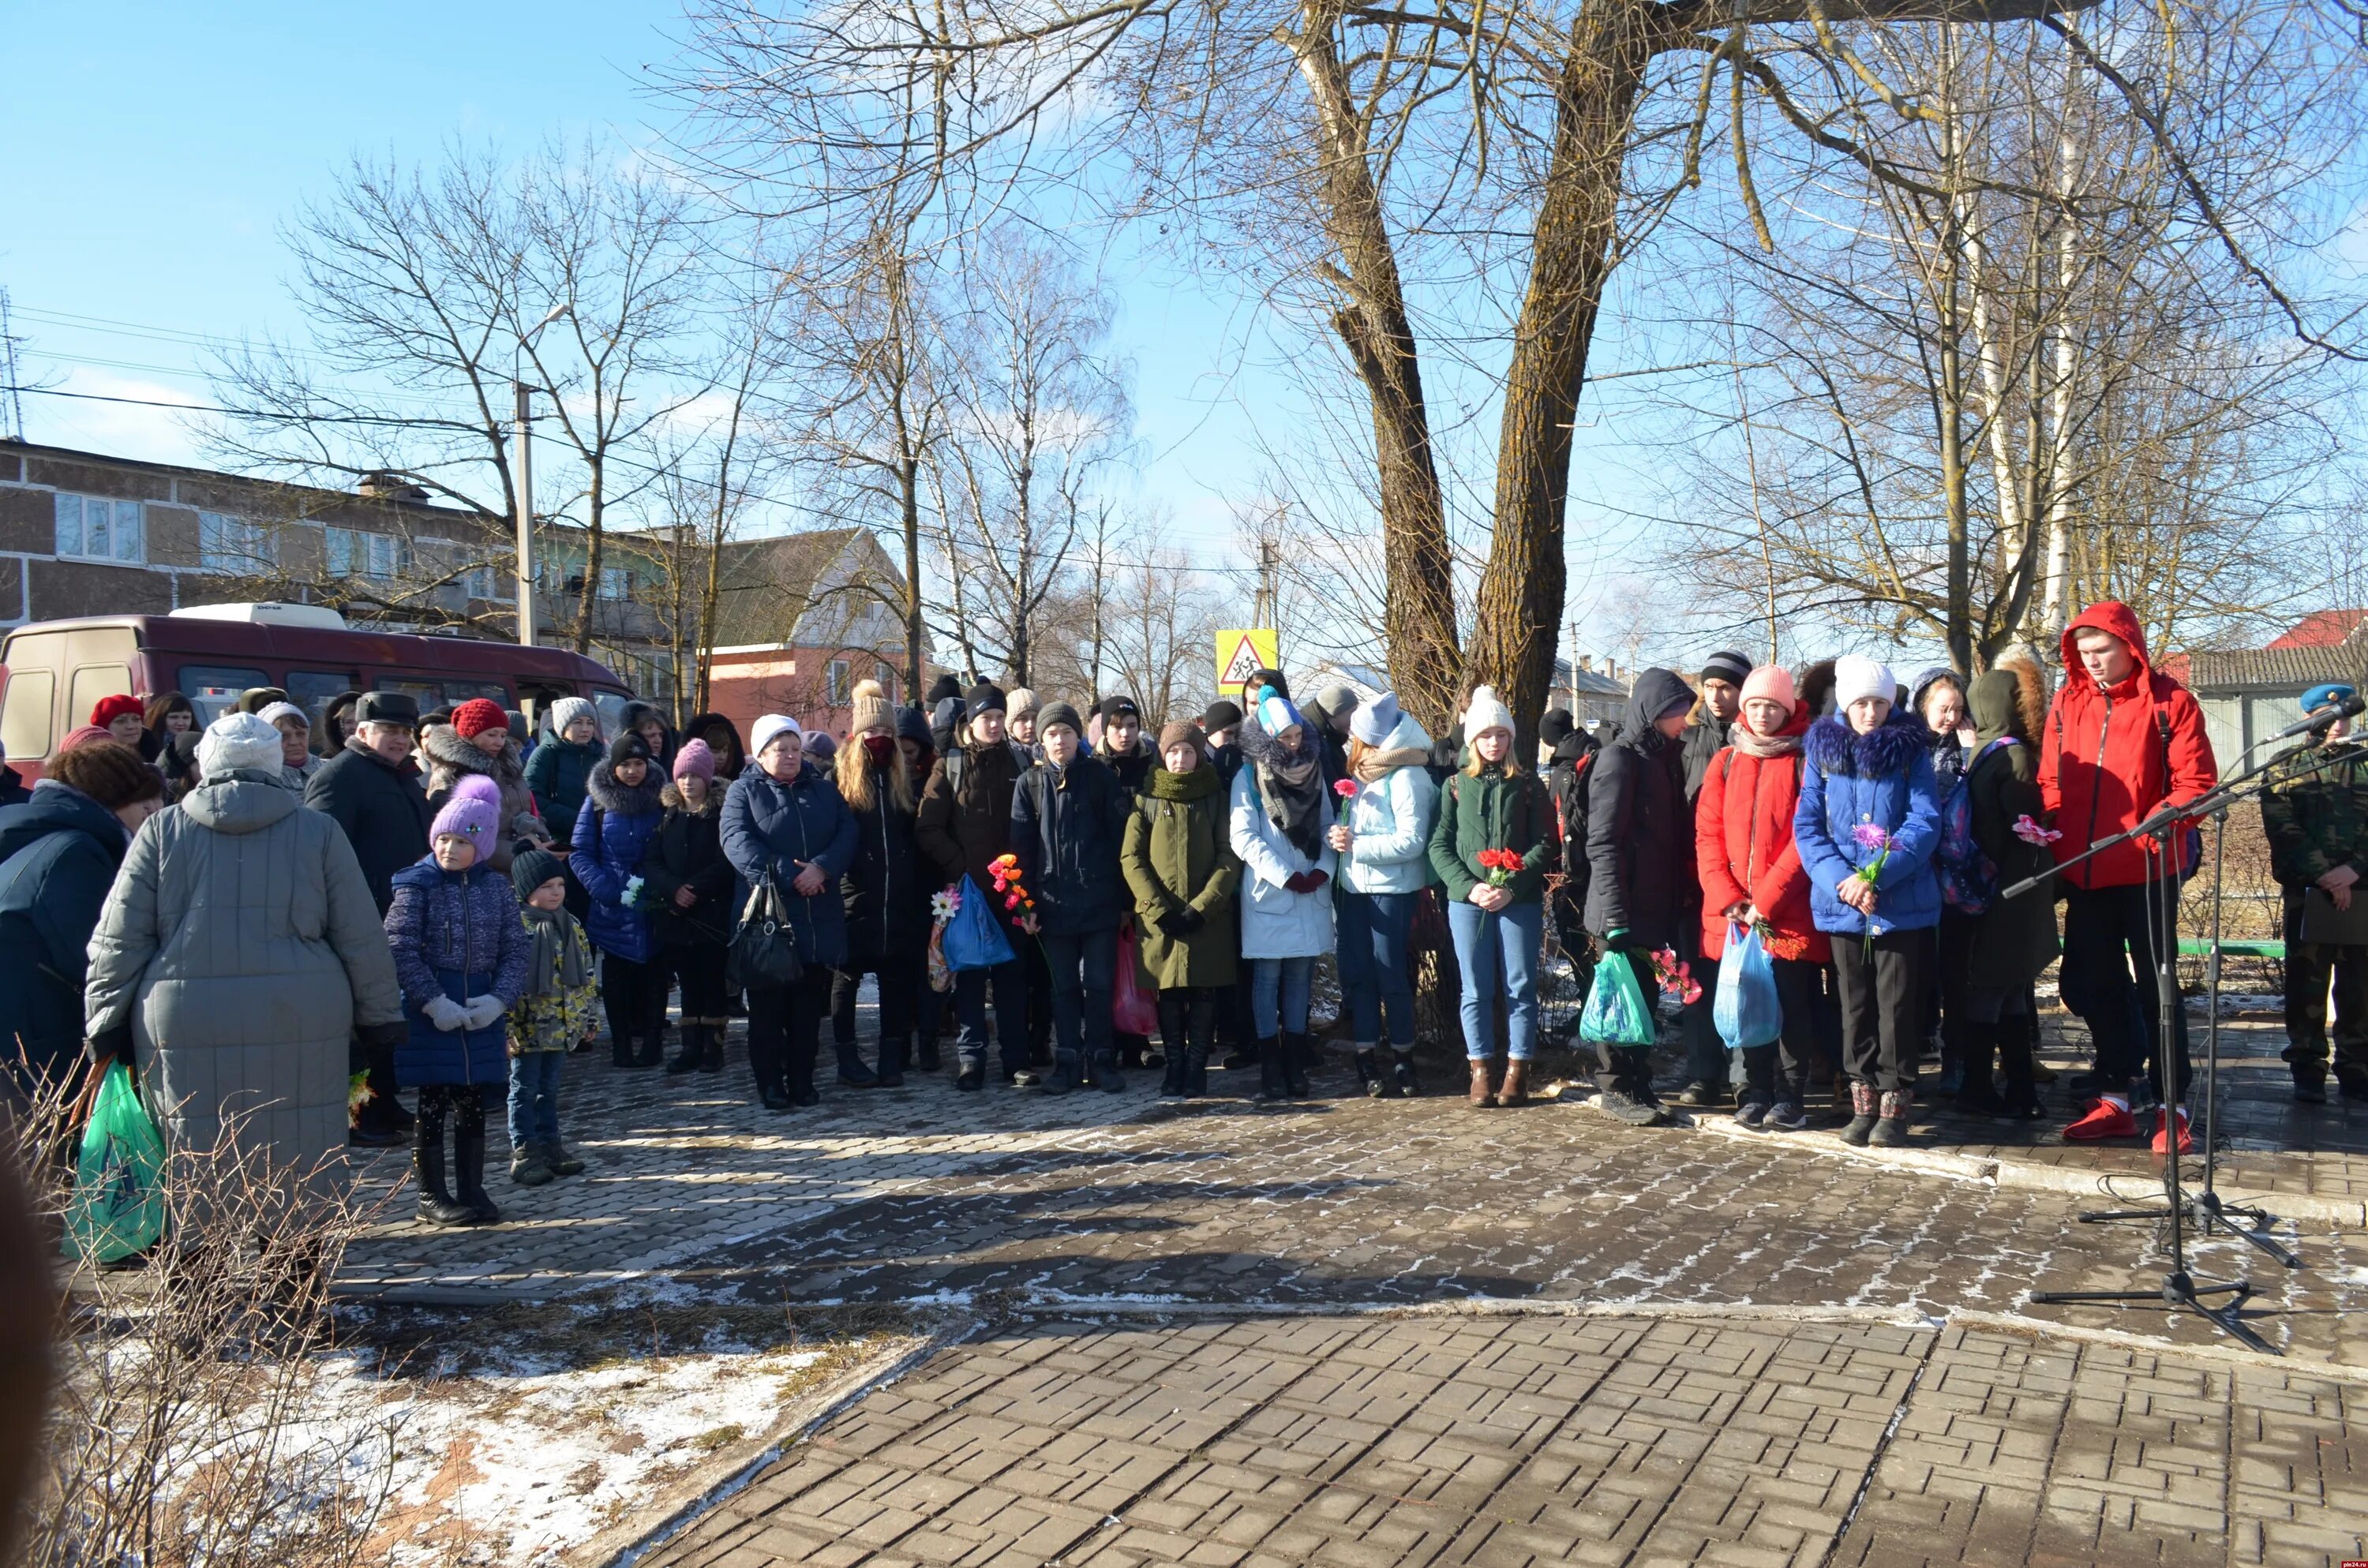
[(2327, 693)]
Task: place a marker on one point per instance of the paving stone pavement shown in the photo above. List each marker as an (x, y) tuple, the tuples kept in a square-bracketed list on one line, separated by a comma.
[(1510, 1441), (920, 1194)]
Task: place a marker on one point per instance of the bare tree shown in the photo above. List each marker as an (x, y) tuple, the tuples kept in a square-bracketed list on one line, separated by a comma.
[(423, 291)]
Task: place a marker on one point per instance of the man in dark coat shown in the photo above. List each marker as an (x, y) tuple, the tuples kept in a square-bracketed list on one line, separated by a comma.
[(1641, 880), (1572, 760), (964, 823), (1709, 1066), (1069, 822), (1220, 738), (59, 853), (371, 790)]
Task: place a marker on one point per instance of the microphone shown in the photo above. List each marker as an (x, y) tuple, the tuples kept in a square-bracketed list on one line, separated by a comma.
[(2322, 719)]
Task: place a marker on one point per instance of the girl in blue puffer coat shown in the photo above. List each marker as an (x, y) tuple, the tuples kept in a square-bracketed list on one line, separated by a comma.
[(460, 954), (622, 808), (1867, 824)]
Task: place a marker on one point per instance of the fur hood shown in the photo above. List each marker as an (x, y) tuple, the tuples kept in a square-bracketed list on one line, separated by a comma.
[(671, 798), (2012, 699), (450, 757), (1841, 751), (1814, 686), (646, 798)]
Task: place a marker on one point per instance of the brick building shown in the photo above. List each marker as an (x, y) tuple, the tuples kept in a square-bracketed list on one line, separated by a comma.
[(800, 620)]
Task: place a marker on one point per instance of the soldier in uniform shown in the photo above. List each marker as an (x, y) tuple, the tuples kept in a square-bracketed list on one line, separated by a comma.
[(2316, 814)]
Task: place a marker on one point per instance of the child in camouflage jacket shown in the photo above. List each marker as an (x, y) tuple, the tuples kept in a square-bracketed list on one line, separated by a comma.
[(551, 1018)]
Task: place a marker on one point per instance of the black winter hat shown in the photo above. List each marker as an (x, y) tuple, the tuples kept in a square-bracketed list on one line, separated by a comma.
[(1116, 708), (1556, 726), (912, 724), (530, 868), (944, 687), (627, 746), (387, 707), (983, 698), (1220, 715)]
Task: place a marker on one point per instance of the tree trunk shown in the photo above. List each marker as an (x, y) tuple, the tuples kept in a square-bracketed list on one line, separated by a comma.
[(1520, 601), (909, 480), (1419, 597), (585, 601)]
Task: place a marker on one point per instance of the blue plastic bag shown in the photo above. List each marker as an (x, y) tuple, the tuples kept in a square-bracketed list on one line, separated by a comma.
[(1616, 1011), (1746, 1009), (973, 938), (118, 1207)]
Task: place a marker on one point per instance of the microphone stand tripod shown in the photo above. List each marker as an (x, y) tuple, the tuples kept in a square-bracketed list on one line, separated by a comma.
[(2179, 1288)]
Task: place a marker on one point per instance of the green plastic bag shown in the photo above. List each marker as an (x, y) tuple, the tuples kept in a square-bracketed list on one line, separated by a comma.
[(1616, 1010), (119, 1193)]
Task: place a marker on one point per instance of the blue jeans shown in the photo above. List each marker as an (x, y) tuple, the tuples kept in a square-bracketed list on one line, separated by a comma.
[(1278, 988), (1083, 967), (1011, 986), (534, 1098), (1498, 951), (1373, 931)]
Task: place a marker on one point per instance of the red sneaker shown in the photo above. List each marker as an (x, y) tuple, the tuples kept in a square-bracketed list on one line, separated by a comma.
[(2186, 1141), (2105, 1119)]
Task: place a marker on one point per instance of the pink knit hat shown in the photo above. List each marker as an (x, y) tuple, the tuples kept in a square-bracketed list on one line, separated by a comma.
[(1773, 682), (694, 757)]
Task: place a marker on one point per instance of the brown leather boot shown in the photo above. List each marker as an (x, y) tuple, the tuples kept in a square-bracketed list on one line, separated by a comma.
[(1483, 1093), (1515, 1090)]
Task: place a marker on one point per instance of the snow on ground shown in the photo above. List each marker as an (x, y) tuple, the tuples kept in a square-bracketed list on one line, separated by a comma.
[(515, 1442)]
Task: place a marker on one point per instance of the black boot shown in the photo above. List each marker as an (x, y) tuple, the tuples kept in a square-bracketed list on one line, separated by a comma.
[(620, 1048), (693, 1049), (435, 1204), (926, 1058), (1402, 1076), (1176, 1084), (893, 1052), (766, 1068), (1064, 1073), (711, 1050), (1368, 1078), (1273, 1085), (468, 1163), (1106, 1072), (1298, 1055), (653, 1051), (851, 1070), (799, 1080), (1196, 1069)]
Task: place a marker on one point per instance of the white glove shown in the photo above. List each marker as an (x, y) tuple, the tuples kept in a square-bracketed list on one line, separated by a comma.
[(484, 1011), (446, 1014)]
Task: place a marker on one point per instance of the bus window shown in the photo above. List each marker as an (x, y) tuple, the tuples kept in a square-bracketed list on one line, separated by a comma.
[(443, 696), (25, 712), (213, 689), (312, 690), (612, 709), (93, 682)]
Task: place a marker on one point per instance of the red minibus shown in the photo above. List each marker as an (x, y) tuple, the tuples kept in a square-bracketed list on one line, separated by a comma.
[(56, 670)]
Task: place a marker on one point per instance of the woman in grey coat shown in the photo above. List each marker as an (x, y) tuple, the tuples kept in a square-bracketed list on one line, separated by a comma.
[(238, 950)]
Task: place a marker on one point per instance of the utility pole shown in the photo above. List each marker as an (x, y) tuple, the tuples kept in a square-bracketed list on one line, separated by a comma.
[(1269, 593), (8, 373), (525, 518)]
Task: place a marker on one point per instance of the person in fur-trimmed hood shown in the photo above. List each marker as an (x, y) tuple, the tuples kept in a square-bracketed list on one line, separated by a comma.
[(621, 811), (2011, 941), (1866, 827), (478, 740)]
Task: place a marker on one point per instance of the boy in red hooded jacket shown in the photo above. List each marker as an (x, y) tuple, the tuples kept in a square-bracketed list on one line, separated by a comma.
[(2122, 741)]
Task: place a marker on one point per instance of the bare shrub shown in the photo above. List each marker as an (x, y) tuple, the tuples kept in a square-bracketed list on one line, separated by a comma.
[(183, 1427)]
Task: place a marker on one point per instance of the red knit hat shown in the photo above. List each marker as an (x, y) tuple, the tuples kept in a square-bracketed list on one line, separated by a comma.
[(108, 709), (477, 715)]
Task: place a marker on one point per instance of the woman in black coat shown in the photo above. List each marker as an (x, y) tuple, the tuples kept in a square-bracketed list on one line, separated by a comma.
[(886, 892), (688, 886), (2012, 940)]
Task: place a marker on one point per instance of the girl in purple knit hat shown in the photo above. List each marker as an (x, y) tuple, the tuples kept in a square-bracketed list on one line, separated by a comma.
[(460, 954)]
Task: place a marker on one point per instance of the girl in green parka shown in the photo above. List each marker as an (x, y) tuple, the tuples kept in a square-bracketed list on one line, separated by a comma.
[(1494, 810), (1181, 864)]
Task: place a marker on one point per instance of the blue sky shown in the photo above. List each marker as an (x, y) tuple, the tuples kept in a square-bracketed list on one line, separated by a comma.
[(156, 152)]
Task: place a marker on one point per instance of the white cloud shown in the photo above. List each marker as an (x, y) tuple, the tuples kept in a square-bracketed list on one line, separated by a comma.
[(132, 428)]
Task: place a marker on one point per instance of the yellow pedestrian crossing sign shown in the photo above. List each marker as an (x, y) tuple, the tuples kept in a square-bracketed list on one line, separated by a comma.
[(1242, 652)]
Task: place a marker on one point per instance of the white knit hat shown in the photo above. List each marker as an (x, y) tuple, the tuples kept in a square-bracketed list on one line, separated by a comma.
[(761, 733), (1485, 712), (1856, 676), (238, 740), (567, 709), (279, 710)]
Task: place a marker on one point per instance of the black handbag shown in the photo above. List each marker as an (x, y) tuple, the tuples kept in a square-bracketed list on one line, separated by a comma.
[(764, 954)]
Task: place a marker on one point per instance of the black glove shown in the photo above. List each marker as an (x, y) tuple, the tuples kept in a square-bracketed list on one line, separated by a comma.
[(1175, 923), (386, 1037), (1194, 919)]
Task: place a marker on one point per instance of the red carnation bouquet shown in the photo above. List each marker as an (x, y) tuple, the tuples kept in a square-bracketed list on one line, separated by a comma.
[(1502, 866)]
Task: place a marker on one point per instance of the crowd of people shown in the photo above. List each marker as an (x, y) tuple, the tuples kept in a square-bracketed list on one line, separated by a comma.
[(307, 927)]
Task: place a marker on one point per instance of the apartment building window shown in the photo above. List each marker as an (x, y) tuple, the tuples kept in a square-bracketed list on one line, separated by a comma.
[(833, 677), (352, 552), (232, 544), (92, 528), (616, 583), (478, 583)]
